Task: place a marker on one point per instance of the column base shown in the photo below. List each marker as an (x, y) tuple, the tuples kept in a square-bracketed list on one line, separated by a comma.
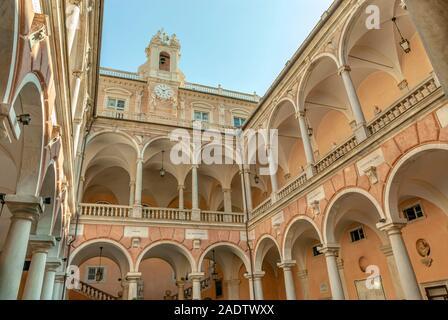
[(310, 171), (137, 212), (196, 215), (361, 133)]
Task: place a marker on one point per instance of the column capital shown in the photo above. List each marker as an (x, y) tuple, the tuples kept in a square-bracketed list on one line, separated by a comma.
[(133, 276), (232, 282), (302, 274), (180, 283), (287, 264), (40, 243), (139, 159), (255, 276), (75, 2), (60, 277), (227, 190), (180, 187), (196, 276), (78, 74), (344, 68), (25, 206), (300, 114), (53, 264), (391, 227), (330, 250)]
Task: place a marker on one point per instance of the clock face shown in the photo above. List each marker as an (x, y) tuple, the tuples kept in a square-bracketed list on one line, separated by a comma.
[(163, 91)]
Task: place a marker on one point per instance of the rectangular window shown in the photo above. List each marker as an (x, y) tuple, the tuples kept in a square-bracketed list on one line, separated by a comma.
[(357, 234), (95, 274), (116, 104), (413, 213), (316, 251), (238, 122), (437, 293), (201, 116)]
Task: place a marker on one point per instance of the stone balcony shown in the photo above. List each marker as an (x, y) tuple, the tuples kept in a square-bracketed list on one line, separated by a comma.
[(116, 213)]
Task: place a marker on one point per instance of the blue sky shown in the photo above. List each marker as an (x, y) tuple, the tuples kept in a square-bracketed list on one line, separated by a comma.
[(241, 44)]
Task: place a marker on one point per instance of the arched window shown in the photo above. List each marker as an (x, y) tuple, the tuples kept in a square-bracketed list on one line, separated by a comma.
[(164, 61)]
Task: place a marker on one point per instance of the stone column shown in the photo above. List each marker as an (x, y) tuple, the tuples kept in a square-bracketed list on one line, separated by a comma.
[(196, 213), (58, 285), (304, 285), (180, 290), (289, 279), (131, 193), (342, 276), (81, 189), (75, 96), (331, 254), (73, 13), (40, 245), (233, 289), (137, 211), (405, 270), (133, 278), (24, 210), (430, 19), (227, 193), (49, 279), (392, 266), (274, 182), (257, 282), (196, 283), (246, 172), (309, 153), (181, 189), (360, 130)]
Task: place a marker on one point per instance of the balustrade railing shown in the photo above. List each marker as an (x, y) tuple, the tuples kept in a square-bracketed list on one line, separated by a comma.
[(166, 214), (93, 292), (336, 154), (224, 217), (104, 210), (294, 185), (403, 105)]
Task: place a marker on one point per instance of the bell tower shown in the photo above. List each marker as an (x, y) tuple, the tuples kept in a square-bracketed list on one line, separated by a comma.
[(163, 55)]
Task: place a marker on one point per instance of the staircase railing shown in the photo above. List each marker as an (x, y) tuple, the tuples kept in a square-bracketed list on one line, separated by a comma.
[(94, 293)]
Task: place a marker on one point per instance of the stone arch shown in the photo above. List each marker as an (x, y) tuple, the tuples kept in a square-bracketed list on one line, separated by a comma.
[(236, 250), (291, 230), (329, 221), (113, 250), (130, 139), (29, 99), (161, 250), (391, 187), (264, 245)]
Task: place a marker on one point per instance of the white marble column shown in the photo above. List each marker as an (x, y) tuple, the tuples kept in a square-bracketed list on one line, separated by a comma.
[(304, 284), (289, 279), (180, 290), (273, 171), (137, 210), (309, 153), (49, 278), (58, 285), (73, 12), (355, 104), (393, 270), (233, 289), (132, 279), (405, 270), (131, 193), (196, 279), (181, 189), (247, 185), (195, 213), (75, 96), (24, 210), (39, 245), (257, 281), (227, 194), (81, 189), (331, 254)]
